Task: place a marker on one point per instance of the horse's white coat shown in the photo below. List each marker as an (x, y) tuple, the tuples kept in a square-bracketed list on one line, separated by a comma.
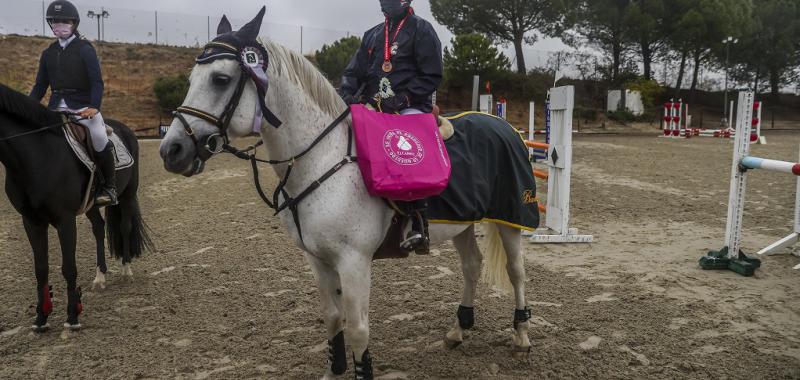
[(342, 225)]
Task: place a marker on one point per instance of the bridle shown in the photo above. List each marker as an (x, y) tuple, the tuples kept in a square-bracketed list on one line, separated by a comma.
[(215, 142), (219, 142)]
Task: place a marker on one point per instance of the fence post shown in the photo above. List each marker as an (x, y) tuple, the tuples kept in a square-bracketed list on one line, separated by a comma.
[(156, 27), (475, 90), (44, 17)]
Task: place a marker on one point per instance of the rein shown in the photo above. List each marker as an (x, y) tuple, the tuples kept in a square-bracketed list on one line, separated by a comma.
[(42, 129), (290, 202)]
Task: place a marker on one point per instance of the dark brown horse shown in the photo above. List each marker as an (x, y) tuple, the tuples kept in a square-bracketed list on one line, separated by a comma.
[(45, 183)]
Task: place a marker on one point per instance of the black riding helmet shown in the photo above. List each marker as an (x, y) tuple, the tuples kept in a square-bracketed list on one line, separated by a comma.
[(63, 10)]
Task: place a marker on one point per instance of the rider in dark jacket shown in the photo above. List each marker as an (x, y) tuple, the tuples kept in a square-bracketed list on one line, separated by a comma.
[(400, 61), (70, 68)]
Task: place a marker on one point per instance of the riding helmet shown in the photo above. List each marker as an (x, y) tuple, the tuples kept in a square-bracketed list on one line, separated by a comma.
[(63, 10)]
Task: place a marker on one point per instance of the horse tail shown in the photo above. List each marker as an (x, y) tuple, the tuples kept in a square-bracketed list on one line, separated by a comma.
[(127, 216), (494, 272)]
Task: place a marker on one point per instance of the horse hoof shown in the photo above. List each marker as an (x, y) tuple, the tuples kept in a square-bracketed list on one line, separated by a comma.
[(452, 344), (97, 284), (40, 329), (72, 327), (521, 352)]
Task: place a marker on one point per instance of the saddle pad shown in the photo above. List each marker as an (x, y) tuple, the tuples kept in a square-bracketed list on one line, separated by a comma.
[(492, 178), (122, 157)]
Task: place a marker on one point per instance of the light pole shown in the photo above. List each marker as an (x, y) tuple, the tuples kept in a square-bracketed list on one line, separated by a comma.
[(728, 41), (98, 15)]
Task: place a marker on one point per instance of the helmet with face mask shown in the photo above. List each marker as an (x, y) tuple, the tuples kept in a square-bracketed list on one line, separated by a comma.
[(59, 15), (395, 8)]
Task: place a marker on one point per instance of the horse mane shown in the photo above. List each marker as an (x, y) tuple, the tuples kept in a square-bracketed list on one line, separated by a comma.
[(28, 110), (302, 72)]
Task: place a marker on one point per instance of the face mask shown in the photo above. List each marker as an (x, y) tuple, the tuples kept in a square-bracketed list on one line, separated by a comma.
[(62, 31), (395, 8)]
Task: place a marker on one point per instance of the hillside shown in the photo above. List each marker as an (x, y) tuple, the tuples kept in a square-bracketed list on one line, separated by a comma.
[(129, 71)]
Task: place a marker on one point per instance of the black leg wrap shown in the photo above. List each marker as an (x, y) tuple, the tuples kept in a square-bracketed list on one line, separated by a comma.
[(336, 354), (521, 316), (74, 307), (466, 317), (363, 369)]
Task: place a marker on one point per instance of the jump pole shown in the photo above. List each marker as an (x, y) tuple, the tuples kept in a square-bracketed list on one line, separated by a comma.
[(731, 256)]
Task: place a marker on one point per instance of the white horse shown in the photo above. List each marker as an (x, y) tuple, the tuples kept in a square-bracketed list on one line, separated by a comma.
[(342, 225)]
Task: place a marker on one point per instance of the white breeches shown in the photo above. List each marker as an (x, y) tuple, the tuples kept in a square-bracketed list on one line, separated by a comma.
[(410, 111), (96, 127)]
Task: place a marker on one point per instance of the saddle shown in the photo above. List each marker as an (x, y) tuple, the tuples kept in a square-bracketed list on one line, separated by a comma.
[(80, 141)]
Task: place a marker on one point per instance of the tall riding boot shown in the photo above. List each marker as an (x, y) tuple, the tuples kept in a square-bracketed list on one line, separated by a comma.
[(105, 162), (417, 238)]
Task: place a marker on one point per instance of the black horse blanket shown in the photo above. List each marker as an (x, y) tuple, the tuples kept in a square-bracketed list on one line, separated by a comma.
[(491, 179)]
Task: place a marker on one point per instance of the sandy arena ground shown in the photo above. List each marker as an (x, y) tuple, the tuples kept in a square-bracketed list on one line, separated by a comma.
[(228, 296)]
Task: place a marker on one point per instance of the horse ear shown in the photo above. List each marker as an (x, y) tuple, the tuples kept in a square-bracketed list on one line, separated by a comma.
[(249, 32), (224, 26)]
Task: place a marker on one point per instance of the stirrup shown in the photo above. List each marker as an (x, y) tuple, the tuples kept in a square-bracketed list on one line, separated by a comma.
[(106, 197), (412, 241)]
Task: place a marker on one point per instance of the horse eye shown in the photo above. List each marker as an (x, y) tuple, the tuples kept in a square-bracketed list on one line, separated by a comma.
[(221, 80)]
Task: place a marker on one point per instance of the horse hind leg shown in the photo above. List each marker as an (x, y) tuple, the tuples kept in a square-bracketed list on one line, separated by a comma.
[(471, 260), (98, 229), (515, 266), (119, 226)]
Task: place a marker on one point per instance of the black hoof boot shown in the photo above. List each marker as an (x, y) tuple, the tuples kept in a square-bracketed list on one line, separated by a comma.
[(466, 317), (363, 368), (521, 316), (337, 356), (74, 309), (43, 309)]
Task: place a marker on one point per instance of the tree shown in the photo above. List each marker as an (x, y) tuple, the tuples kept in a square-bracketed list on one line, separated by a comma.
[(770, 49), (601, 24), (704, 24), (333, 59), (649, 24), (472, 54), (509, 21)]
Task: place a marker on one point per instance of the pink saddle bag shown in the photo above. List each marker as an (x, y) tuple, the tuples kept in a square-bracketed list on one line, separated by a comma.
[(401, 157)]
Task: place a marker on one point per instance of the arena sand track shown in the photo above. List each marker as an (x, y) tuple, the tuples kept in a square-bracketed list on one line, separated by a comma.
[(228, 296)]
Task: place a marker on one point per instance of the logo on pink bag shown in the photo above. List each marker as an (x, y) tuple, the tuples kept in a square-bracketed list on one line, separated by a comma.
[(403, 147)]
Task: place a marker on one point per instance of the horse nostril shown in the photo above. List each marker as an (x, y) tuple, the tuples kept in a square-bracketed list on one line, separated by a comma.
[(174, 150)]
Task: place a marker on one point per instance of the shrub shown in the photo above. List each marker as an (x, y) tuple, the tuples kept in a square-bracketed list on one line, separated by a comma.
[(171, 90), (650, 89)]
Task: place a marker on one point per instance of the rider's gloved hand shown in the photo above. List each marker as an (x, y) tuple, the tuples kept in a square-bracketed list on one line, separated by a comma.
[(395, 104), (350, 99)]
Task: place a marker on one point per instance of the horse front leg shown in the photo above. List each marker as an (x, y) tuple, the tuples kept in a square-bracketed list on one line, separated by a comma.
[(355, 274), (98, 229), (37, 237), (67, 235), (330, 290), (471, 259), (515, 266)]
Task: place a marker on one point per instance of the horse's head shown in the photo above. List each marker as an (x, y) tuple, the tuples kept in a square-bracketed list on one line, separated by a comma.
[(225, 99)]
